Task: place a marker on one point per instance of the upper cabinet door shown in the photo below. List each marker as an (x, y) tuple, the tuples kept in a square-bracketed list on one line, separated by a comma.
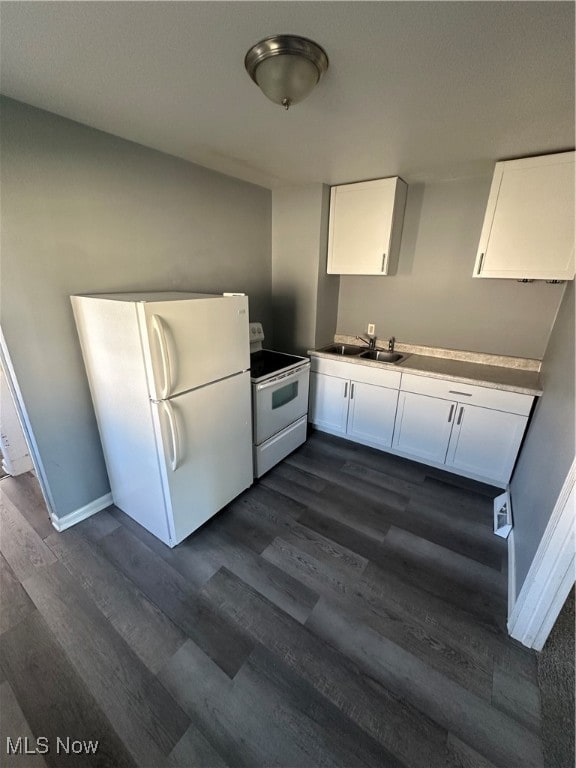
[(528, 230), (366, 227)]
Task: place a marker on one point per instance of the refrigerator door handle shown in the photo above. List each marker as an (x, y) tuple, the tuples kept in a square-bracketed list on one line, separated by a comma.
[(174, 436), (158, 327)]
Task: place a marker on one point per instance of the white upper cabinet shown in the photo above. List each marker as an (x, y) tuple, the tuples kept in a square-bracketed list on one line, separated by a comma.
[(528, 230), (366, 227)]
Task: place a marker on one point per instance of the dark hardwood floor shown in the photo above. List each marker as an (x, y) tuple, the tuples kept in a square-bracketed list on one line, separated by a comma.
[(347, 610)]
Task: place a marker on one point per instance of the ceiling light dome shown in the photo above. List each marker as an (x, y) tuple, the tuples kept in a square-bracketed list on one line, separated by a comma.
[(286, 67)]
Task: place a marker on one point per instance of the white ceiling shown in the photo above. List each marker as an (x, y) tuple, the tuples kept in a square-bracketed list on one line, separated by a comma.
[(419, 89)]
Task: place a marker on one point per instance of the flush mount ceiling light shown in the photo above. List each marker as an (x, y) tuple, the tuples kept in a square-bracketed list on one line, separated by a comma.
[(286, 67)]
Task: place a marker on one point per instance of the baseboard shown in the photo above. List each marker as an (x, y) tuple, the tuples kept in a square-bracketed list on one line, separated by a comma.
[(555, 607), (511, 573), (551, 574), (62, 523)]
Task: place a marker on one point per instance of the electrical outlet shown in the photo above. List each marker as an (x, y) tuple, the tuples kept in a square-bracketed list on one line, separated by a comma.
[(371, 329)]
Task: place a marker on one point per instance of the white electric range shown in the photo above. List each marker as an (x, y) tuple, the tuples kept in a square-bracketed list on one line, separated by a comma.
[(279, 402)]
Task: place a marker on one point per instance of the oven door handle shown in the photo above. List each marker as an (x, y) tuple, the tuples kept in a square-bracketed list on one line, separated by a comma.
[(285, 378)]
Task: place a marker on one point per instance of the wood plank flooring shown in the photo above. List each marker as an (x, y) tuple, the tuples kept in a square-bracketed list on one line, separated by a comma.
[(347, 610)]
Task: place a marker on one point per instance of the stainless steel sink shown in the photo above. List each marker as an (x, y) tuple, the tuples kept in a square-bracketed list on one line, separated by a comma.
[(383, 356), (342, 349)]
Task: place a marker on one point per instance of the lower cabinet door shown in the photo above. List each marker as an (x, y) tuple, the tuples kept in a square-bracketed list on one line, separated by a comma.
[(329, 402), (371, 413), (423, 426), (485, 442)]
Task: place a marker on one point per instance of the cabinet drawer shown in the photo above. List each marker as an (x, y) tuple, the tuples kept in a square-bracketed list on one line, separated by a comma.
[(365, 374), (498, 399)]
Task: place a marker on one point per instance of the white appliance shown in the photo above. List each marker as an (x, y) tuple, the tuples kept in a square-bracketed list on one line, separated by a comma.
[(280, 385), (170, 382)]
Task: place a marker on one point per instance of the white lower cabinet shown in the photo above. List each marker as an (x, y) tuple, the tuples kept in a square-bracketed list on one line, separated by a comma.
[(478, 440), (363, 412), (423, 426), (485, 442), (328, 407), (473, 430), (371, 413)]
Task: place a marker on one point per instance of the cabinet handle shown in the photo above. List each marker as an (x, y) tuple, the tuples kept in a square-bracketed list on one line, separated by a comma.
[(463, 394), (451, 412), (480, 264), (459, 420), (346, 389), (383, 269), (352, 391)]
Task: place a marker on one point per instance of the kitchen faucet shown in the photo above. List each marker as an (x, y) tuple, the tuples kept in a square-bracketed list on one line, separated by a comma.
[(371, 341)]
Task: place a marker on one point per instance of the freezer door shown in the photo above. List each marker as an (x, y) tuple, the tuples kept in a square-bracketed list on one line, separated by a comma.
[(205, 446), (193, 342)]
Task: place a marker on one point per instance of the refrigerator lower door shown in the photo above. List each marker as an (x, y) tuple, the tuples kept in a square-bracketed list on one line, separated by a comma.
[(205, 447), (190, 343)]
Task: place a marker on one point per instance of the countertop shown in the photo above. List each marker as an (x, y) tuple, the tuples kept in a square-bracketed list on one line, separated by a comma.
[(510, 374)]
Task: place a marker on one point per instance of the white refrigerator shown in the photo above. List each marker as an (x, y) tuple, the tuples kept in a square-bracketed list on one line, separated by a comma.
[(170, 382)]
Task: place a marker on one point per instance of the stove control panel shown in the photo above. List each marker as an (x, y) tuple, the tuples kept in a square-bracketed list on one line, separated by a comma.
[(256, 332)]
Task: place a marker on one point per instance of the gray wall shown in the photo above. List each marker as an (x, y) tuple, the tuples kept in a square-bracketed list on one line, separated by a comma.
[(305, 297), (433, 299), (84, 212), (548, 451)]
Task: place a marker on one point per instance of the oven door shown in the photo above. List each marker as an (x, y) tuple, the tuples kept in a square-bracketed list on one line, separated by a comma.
[(279, 401)]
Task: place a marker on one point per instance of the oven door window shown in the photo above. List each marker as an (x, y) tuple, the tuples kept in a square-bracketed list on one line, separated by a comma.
[(284, 395), (278, 403)]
